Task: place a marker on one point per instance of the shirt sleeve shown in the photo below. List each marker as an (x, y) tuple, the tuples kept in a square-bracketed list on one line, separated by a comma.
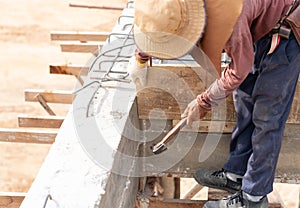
[(240, 49)]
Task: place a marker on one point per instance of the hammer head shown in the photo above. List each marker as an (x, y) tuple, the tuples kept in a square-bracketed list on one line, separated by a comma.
[(158, 148)]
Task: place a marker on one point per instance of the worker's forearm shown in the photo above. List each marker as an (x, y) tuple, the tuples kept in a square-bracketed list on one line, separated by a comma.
[(220, 89), (212, 96)]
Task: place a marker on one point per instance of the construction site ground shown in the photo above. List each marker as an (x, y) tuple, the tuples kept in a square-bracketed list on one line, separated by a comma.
[(25, 54)]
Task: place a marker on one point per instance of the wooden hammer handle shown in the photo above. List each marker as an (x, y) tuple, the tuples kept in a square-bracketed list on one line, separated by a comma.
[(171, 134)]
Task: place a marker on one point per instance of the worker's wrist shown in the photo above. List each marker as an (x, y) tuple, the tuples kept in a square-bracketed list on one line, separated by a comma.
[(204, 102)]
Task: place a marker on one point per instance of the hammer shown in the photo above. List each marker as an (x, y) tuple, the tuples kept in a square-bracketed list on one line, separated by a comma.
[(161, 146)]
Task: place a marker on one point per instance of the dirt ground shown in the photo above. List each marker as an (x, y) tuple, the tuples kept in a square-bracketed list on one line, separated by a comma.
[(25, 53)]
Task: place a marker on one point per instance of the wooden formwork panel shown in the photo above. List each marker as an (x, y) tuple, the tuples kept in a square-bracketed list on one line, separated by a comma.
[(171, 87)]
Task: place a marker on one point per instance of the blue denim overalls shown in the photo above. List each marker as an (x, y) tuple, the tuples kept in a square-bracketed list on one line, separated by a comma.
[(263, 102)]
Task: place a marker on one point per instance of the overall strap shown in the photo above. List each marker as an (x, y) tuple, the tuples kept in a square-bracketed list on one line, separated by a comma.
[(281, 29), (289, 11)]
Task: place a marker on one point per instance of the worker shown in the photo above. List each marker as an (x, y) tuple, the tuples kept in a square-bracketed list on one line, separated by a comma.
[(262, 40)]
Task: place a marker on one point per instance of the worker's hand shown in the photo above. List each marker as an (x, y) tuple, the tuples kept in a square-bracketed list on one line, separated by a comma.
[(141, 56), (194, 112), (137, 72)]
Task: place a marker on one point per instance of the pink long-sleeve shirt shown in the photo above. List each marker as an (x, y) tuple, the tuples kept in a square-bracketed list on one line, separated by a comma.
[(257, 19)]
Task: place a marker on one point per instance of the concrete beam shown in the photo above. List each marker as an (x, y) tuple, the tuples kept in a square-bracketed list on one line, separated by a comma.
[(92, 162), (81, 170)]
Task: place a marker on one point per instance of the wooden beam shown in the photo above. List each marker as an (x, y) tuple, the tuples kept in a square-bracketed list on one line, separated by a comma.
[(95, 7), (78, 36), (55, 96), (76, 70), (178, 203), (217, 194), (170, 203), (11, 199), (177, 187), (193, 191), (44, 104), (40, 121), (27, 136), (93, 48)]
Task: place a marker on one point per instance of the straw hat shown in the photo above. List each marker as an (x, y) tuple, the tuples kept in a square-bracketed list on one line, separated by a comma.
[(169, 29)]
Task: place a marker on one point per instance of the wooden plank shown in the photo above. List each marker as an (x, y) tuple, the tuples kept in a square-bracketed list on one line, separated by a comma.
[(217, 194), (40, 121), (177, 188), (76, 70), (55, 96), (275, 205), (169, 203), (95, 7), (178, 203), (78, 36), (93, 48), (193, 191), (27, 136), (171, 87), (44, 104), (11, 199)]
